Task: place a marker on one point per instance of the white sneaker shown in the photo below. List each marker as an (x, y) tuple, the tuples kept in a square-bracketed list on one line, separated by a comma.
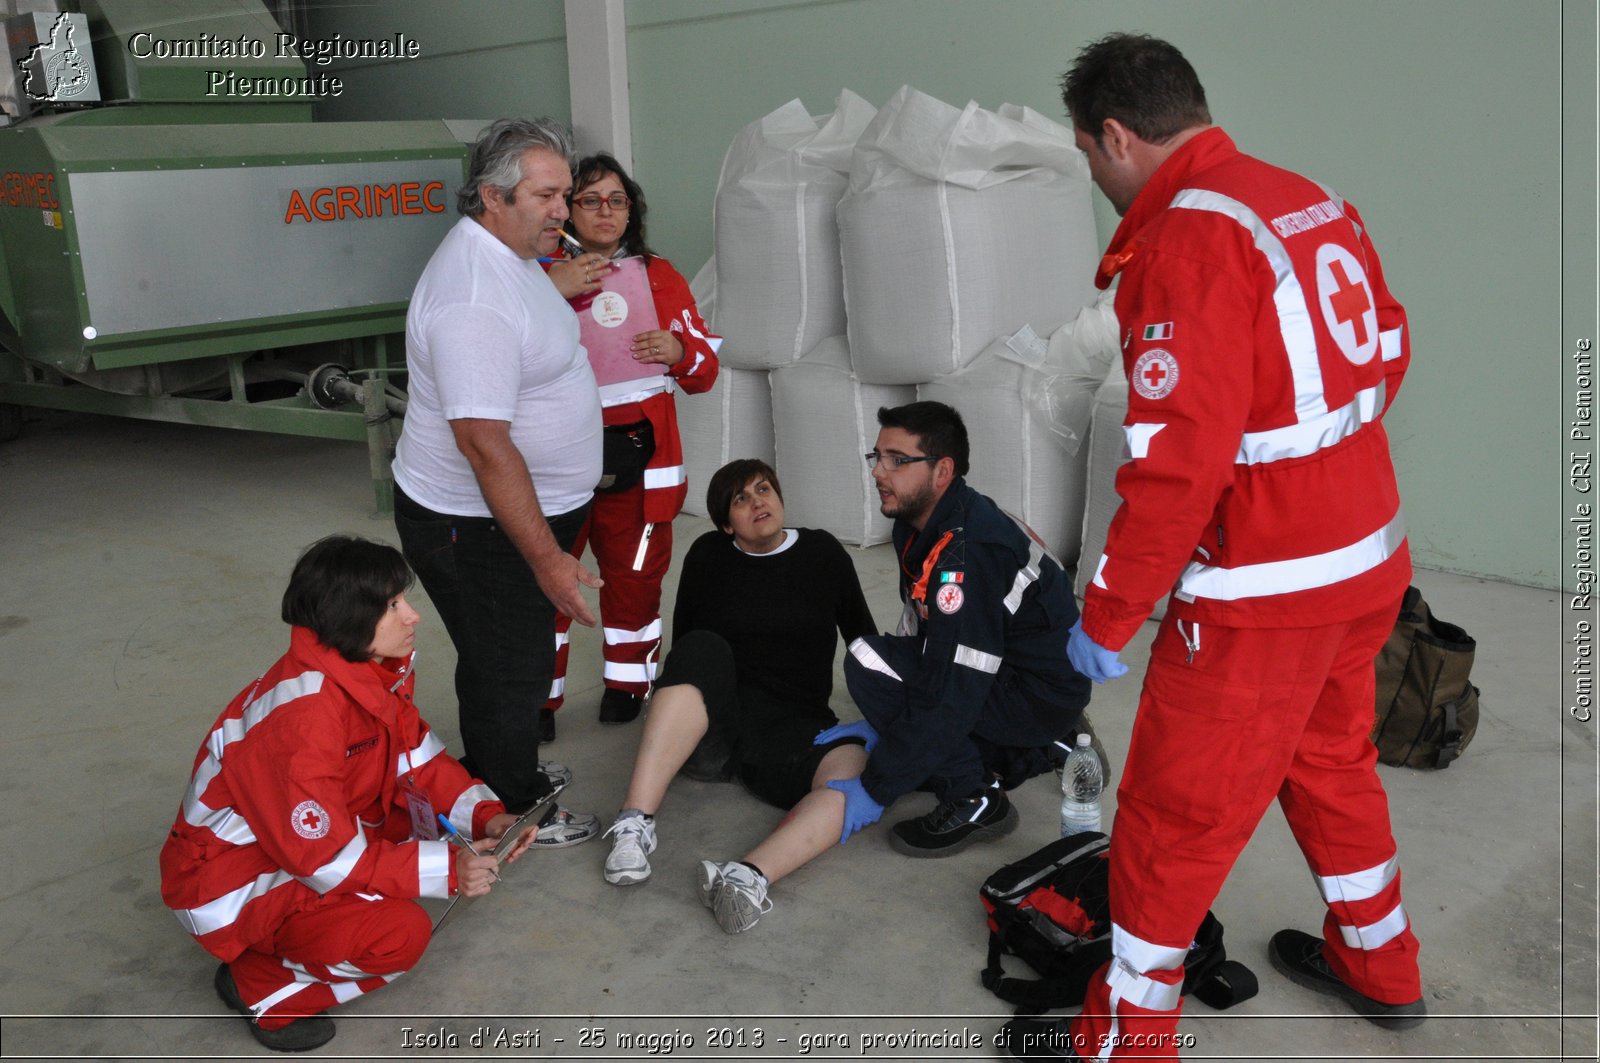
[(562, 827), (558, 773), (636, 840), (738, 898), (710, 877)]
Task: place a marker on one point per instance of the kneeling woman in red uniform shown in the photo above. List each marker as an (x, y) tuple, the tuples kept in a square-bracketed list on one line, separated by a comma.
[(308, 823), (630, 527)]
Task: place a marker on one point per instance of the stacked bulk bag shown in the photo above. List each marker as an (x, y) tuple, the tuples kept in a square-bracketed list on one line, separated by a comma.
[(1027, 403), (957, 225), (824, 419), (1070, 368), (733, 419), (1107, 452), (776, 237), (1017, 459)]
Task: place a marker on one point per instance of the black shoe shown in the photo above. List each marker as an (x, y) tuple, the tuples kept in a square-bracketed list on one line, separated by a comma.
[(1298, 957), (619, 706), (301, 1035), (711, 761), (954, 825), (547, 725), (1036, 1039)]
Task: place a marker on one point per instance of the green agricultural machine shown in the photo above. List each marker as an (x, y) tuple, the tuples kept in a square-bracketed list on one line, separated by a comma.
[(187, 251)]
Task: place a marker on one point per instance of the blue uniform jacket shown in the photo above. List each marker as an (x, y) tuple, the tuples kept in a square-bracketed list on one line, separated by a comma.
[(995, 608)]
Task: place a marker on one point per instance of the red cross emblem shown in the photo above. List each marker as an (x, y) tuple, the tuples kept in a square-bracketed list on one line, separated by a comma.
[(1350, 303), (1347, 306), (309, 820), (1155, 374)]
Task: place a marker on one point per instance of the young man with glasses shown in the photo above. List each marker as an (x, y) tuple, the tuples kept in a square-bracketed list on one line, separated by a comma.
[(975, 687)]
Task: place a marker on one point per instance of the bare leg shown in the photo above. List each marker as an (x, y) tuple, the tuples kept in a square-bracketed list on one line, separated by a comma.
[(673, 727), (812, 827)]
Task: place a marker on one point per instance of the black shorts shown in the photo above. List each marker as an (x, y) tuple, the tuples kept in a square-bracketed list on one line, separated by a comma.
[(770, 739)]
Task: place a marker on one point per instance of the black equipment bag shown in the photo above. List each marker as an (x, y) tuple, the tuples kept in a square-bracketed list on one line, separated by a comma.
[(1053, 909), (625, 450), (1427, 710)]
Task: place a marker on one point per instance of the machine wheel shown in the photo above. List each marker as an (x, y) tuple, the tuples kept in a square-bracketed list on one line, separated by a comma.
[(10, 422)]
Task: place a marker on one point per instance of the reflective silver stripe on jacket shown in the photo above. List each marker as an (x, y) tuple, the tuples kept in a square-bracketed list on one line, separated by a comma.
[(977, 659), (1294, 574), (1294, 312), (325, 878), (224, 822)]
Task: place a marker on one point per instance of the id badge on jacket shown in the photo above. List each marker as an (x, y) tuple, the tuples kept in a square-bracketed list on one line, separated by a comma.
[(424, 823)]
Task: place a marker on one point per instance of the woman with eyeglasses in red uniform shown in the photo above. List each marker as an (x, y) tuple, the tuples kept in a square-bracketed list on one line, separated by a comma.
[(630, 524)]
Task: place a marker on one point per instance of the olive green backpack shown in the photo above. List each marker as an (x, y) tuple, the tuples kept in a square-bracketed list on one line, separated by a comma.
[(1427, 710)]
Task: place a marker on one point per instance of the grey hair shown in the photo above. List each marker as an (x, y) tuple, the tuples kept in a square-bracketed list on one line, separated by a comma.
[(497, 157)]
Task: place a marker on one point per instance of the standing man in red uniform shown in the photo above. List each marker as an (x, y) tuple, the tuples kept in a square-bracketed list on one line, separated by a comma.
[(1262, 348)]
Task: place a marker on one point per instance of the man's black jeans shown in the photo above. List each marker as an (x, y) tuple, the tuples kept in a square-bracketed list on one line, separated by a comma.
[(503, 628)]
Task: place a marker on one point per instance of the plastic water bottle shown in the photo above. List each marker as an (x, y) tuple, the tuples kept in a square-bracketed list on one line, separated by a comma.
[(1081, 783)]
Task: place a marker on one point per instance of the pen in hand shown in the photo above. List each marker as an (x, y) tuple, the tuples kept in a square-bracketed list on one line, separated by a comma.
[(451, 834), (456, 836)]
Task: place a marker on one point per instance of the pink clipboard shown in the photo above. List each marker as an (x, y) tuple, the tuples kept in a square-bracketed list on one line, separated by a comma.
[(608, 322)]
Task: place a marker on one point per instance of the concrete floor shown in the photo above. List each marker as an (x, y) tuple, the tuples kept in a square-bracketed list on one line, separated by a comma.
[(143, 569)]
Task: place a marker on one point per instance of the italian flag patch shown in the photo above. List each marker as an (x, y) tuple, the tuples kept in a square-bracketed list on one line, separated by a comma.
[(1162, 331)]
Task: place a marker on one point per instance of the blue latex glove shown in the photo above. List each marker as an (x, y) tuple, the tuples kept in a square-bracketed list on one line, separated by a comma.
[(860, 729), (1091, 659), (860, 810)]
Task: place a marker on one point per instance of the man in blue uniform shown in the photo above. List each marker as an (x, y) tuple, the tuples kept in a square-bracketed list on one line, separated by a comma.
[(974, 689)]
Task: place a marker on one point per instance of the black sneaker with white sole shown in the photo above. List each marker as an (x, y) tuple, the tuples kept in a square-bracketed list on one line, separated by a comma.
[(985, 816), (1298, 957), (301, 1035)]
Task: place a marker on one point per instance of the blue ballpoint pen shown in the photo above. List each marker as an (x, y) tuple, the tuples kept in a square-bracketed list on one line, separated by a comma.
[(456, 836)]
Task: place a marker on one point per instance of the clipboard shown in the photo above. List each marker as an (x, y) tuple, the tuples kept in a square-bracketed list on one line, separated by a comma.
[(610, 319), (529, 820)]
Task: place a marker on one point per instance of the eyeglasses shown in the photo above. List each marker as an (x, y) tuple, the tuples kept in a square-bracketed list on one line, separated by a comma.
[(591, 202), (898, 461)]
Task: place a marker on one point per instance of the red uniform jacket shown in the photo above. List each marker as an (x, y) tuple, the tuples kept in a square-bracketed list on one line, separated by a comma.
[(1262, 348), (297, 793), (665, 483)]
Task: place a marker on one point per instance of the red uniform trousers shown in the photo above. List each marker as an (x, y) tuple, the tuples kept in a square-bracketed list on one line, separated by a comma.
[(630, 601), (352, 944), (1253, 714)]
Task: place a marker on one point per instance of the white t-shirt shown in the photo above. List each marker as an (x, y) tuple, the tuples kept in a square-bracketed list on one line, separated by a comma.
[(488, 336)]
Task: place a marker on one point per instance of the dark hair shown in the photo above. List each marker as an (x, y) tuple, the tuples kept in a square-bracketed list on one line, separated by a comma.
[(496, 159), (939, 429), (340, 588), (729, 480), (1141, 81), (592, 168)]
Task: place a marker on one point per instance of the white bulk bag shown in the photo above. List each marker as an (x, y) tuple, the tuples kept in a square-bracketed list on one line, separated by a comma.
[(732, 420), (1070, 367), (1107, 451), (824, 419), (1017, 459), (776, 237), (957, 225)]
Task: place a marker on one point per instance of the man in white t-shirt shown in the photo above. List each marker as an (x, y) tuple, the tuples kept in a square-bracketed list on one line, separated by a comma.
[(500, 453)]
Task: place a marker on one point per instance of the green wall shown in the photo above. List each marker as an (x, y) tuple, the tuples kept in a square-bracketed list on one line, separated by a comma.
[(479, 59), (1439, 119)]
